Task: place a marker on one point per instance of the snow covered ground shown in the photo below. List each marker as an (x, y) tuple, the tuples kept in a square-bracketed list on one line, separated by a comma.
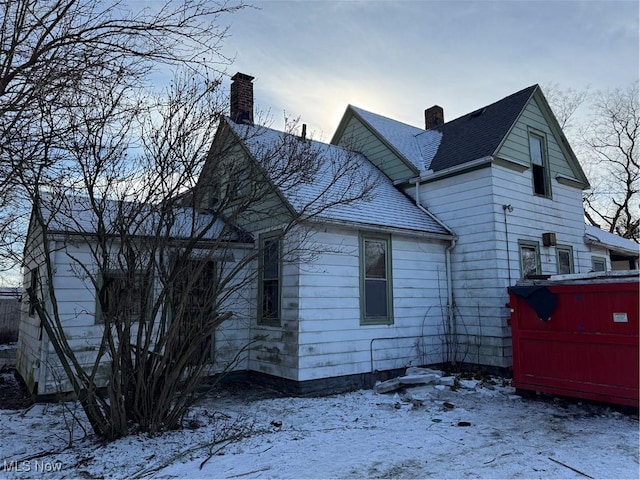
[(480, 430)]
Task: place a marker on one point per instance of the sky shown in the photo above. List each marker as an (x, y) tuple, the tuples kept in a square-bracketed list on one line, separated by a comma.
[(310, 59)]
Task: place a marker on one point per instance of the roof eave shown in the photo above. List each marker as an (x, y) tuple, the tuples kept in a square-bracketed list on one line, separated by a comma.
[(381, 228)]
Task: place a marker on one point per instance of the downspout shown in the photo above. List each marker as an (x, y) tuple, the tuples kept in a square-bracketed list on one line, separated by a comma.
[(447, 262), (506, 234)]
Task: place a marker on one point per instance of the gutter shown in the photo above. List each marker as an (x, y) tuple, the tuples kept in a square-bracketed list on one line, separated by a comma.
[(452, 243), (321, 221)]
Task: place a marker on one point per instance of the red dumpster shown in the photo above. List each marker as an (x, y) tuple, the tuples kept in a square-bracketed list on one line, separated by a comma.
[(577, 338)]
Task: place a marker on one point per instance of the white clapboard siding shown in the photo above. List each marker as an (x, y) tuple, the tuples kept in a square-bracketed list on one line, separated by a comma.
[(76, 304), (472, 205), (332, 342)]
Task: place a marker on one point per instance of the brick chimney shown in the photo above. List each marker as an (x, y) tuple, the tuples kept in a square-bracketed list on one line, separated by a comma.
[(242, 98), (433, 117)]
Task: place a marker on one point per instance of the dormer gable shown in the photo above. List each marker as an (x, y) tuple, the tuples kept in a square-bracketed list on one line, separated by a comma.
[(536, 141)]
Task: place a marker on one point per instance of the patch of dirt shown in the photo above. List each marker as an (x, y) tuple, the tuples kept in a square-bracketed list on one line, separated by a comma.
[(13, 392)]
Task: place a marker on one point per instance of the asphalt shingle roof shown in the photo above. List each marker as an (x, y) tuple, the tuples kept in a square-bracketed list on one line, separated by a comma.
[(386, 206), (470, 137)]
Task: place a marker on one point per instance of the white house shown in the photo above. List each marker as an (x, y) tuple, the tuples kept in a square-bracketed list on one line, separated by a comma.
[(415, 270)]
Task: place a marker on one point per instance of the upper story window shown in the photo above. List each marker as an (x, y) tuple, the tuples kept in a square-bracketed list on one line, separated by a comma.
[(539, 165), (269, 279), (376, 292)]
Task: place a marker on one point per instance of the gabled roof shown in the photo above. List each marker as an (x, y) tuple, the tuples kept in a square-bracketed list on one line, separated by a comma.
[(386, 206), (473, 136)]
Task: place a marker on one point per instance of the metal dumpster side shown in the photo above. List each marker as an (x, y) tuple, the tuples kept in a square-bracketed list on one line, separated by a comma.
[(588, 348)]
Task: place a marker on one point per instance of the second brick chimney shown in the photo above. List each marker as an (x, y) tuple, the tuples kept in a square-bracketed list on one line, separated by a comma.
[(242, 98), (433, 117)]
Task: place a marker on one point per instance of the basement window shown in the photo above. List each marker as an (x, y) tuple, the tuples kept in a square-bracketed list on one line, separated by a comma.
[(539, 165)]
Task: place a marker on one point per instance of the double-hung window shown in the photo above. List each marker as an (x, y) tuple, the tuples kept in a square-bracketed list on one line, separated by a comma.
[(375, 284), (529, 258), (539, 167), (269, 285), (565, 259)]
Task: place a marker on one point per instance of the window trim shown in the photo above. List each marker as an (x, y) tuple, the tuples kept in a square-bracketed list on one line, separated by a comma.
[(569, 250), (261, 318), (388, 318), (531, 244), (544, 152), (597, 258)]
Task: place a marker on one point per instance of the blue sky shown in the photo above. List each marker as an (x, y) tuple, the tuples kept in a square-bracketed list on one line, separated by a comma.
[(312, 58)]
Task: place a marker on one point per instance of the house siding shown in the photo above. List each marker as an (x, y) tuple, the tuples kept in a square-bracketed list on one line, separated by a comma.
[(465, 204), (516, 145), (76, 304), (275, 348), (356, 136), (471, 204), (332, 340)]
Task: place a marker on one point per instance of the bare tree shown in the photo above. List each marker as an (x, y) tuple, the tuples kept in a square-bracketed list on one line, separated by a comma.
[(60, 54), (606, 142), (611, 140), (165, 275)]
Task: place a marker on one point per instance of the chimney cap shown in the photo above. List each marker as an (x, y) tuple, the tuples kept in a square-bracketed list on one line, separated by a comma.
[(242, 76)]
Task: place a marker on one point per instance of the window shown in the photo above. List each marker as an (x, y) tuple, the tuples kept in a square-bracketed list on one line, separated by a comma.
[(539, 165), (376, 292), (193, 304), (269, 289), (598, 264), (33, 290), (565, 259), (120, 297), (529, 258)]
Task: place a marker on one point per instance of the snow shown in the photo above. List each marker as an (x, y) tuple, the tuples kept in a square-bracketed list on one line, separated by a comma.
[(417, 145), (339, 175), (475, 430), (611, 240)]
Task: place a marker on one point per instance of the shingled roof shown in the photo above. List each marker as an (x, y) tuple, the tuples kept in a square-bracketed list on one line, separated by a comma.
[(478, 134), (473, 136), (386, 206)]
